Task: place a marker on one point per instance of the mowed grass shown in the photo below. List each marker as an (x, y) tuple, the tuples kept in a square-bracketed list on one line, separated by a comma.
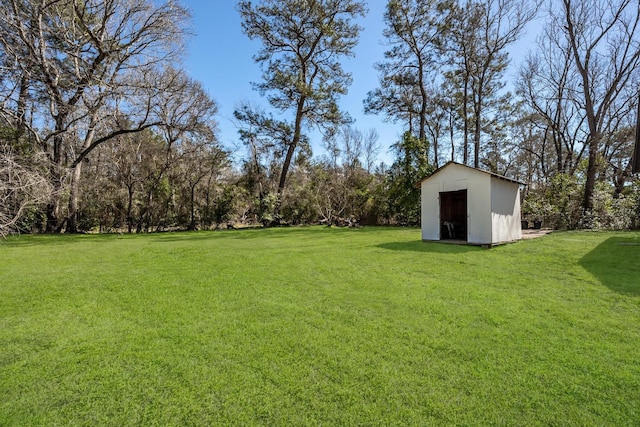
[(317, 326)]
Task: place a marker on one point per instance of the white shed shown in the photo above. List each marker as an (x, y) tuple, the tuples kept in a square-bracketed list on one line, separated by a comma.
[(461, 203)]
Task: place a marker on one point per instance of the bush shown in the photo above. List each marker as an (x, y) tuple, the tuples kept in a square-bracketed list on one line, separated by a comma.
[(559, 205), (609, 212)]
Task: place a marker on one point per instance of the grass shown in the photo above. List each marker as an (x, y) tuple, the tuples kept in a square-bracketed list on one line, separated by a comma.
[(316, 326)]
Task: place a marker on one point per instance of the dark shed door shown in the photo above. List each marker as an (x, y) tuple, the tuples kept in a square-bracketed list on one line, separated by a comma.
[(453, 215)]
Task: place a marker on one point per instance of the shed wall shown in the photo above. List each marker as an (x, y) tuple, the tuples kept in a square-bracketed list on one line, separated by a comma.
[(430, 211), (505, 211)]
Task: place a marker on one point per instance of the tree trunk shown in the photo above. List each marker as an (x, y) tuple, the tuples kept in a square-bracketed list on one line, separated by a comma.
[(74, 195), (422, 136), (53, 212), (207, 211), (129, 209), (590, 111), (54, 222), (435, 142), (451, 136), (290, 151), (476, 141), (590, 184), (465, 120), (477, 114), (192, 223), (22, 107), (76, 175)]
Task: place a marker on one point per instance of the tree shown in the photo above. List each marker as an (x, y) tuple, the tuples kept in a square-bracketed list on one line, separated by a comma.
[(414, 31), (396, 97), (91, 71), (410, 166), (302, 44), (371, 149), (580, 88), (545, 82), (438, 116), (268, 140), (197, 161), (341, 186), (604, 40), (477, 38)]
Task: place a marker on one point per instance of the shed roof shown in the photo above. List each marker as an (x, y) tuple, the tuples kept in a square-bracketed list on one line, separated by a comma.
[(494, 175)]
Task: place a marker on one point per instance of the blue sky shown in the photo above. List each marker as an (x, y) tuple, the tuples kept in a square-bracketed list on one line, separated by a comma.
[(220, 56)]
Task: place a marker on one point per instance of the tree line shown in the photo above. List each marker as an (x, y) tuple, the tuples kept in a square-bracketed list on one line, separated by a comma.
[(102, 130)]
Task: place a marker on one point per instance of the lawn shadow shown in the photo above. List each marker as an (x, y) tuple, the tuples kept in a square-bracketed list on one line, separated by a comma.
[(616, 264), (431, 247), (25, 240), (246, 233)]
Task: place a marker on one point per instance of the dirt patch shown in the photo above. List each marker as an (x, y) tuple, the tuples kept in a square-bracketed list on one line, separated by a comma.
[(532, 234)]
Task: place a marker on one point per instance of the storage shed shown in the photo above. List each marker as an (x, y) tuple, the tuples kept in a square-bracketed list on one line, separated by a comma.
[(464, 204)]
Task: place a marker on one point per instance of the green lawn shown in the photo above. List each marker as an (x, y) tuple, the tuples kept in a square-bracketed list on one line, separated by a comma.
[(317, 326)]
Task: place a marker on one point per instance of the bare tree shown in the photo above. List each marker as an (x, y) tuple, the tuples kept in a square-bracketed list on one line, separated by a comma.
[(371, 148), (604, 40), (96, 70), (340, 188), (23, 184), (545, 82)]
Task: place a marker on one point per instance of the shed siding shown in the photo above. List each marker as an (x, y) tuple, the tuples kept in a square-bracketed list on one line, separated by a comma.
[(505, 211), (430, 215), (479, 206)]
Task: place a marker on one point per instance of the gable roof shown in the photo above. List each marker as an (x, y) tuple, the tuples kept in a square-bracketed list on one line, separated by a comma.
[(494, 175)]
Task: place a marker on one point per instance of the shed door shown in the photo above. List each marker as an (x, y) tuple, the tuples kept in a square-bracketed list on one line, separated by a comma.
[(453, 215)]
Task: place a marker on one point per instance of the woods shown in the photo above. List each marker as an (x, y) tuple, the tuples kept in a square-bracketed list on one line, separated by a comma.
[(102, 129)]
